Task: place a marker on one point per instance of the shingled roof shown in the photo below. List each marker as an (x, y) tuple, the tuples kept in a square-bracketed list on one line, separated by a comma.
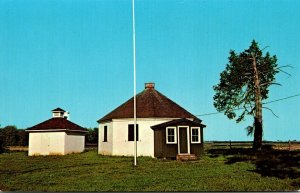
[(58, 109), (149, 104), (57, 124)]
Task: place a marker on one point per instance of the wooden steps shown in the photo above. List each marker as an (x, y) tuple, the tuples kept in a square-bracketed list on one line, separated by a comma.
[(186, 157)]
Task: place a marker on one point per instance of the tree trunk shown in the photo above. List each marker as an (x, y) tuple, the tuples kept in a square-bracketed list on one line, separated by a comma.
[(258, 126), (258, 130)]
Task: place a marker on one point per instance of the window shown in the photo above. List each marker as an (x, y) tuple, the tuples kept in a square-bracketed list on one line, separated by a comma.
[(131, 132), (195, 135), (171, 137), (56, 114), (105, 134)]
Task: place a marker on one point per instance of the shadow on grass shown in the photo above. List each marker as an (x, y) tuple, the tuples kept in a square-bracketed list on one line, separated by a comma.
[(269, 162)]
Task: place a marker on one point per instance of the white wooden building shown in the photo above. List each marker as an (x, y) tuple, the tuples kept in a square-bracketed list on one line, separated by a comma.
[(56, 136), (153, 108)]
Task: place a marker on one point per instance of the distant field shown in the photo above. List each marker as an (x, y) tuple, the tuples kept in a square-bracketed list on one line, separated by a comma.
[(293, 145), (220, 169)]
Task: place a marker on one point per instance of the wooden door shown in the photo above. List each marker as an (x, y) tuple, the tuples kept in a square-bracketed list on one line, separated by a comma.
[(45, 143), (183, 142)]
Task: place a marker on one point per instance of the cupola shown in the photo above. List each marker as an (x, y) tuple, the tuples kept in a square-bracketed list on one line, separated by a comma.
[(60, 113)]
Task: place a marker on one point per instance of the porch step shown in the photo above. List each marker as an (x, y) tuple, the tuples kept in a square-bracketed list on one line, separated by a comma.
[(186, 157)]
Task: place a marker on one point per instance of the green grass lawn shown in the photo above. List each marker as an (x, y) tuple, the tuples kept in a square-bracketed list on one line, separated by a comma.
[(89, 171)]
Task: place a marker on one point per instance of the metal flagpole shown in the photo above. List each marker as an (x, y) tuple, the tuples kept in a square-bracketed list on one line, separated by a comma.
[(134, 85)]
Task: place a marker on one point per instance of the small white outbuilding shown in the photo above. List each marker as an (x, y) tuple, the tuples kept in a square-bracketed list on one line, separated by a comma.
[(56, 136)]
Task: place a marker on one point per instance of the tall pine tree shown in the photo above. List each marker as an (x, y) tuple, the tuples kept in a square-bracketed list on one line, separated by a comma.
[(244, 84)]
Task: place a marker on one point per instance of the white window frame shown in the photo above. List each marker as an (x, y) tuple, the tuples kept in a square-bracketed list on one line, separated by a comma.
[(175, 135), (199, 135)]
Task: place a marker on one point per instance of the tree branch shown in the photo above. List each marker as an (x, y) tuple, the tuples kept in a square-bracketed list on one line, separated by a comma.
[(284, 72), (265, 48), (285, 66), (271, 111), (270, 83), (277, 68)]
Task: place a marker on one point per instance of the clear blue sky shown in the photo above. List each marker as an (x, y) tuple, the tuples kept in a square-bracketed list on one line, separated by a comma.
[(77, 55)]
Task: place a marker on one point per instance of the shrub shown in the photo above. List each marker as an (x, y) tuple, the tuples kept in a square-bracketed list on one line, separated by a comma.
[(1, 146)]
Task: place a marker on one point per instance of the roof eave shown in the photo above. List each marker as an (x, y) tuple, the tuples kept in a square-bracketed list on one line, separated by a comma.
[(54, 130), (177, 122), (104, 120), (44, 130)]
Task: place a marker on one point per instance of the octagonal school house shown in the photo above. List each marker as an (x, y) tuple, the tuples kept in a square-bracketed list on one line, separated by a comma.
[(56, 136), (164, 129)]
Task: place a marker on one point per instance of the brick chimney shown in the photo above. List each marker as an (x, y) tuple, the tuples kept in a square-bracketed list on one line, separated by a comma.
[(149, 85)]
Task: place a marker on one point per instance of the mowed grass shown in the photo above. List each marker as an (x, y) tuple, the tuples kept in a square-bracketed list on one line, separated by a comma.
[(89, 171)]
